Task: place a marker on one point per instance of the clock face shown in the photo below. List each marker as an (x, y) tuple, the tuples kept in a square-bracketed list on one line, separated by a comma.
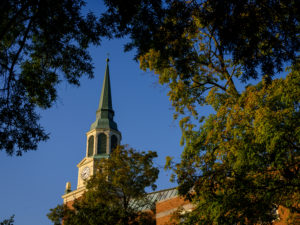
[(85, 173)]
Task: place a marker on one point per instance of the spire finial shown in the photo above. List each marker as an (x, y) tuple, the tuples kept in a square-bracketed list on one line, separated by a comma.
[(107, 58)]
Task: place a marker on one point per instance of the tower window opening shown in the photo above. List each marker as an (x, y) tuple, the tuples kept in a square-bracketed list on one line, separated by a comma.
[(91, 146), (101, 148), (113, 142)]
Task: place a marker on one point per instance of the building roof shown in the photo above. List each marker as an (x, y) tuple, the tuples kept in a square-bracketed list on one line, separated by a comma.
[(153, 198)]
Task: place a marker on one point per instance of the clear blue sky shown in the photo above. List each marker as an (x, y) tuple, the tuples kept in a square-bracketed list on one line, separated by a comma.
[(34, 183)]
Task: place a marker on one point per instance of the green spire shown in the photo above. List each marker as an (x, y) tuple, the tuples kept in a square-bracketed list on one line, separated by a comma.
[(105, 99), (105, 113)]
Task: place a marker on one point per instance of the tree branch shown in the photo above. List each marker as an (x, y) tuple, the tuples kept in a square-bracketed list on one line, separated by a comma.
[(220, 57), (13, 20), (22, 44)]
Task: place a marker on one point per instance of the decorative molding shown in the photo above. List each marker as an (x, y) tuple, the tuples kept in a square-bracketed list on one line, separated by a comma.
[(71, 196)]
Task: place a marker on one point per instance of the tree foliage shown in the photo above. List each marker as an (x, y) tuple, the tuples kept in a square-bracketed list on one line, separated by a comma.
[(197, 45), (9, 221), (38, 50), (242, 162), (41, 43), (116, 193), (256, 34)]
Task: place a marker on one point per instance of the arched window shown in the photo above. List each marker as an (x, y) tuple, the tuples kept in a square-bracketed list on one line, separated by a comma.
[(91, 146), (113, 142), (101, 148)]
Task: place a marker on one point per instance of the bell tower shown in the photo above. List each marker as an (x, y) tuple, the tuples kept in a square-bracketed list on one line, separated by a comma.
[(102, 139), (103, 136)]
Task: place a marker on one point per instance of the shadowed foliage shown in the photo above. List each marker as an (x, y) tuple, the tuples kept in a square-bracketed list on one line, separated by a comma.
[(256, 34), (41, 44)]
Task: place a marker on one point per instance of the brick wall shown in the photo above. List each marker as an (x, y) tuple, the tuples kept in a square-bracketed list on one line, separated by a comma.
[(165, 209)]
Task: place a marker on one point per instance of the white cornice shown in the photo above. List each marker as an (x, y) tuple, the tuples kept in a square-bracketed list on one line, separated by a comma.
[(73, 195)]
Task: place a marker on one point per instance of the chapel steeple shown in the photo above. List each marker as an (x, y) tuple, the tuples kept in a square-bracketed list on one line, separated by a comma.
[(103, 136), (105, 112)]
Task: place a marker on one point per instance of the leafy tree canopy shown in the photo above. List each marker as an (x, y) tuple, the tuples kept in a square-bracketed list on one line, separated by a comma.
[(242, 162), (116, 193), (262, 34), (192, 47), (38, 51), (41, 43)]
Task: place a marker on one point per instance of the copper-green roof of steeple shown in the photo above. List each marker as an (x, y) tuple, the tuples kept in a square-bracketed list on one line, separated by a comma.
[(105, 113), (105, 99)]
